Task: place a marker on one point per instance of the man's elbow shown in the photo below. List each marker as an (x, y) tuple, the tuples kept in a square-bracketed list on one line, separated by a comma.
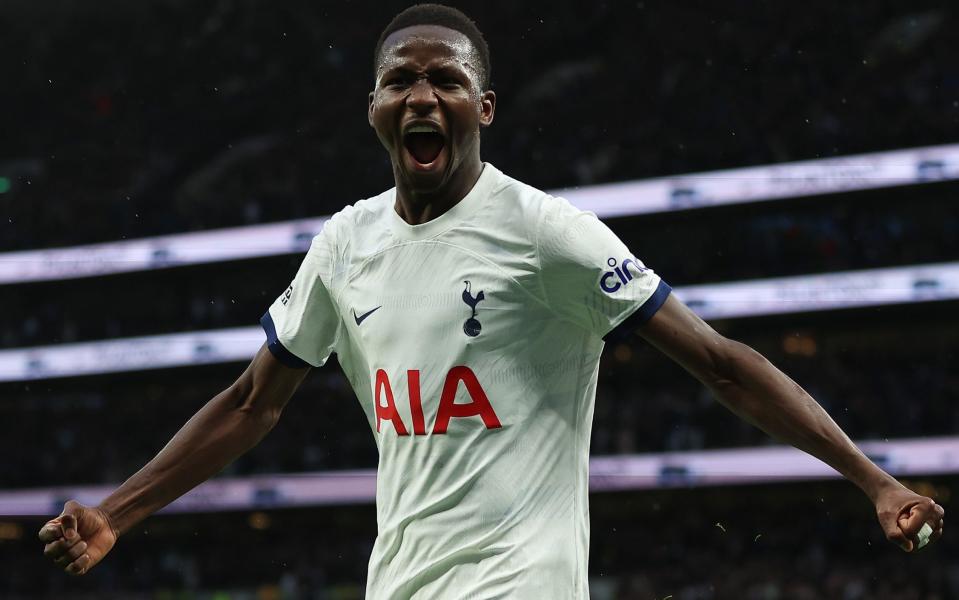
[(252, 404), (732, 363)]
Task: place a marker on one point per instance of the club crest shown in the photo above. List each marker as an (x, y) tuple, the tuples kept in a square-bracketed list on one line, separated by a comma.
[(472, 326)]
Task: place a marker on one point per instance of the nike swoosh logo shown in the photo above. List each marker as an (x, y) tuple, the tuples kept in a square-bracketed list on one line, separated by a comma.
[(361, 318)]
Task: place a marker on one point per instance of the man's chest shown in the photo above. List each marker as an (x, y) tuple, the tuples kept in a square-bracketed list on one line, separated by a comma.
[(441, 340), (429, 303)]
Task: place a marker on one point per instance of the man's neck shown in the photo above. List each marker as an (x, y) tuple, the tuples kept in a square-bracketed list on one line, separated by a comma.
[(417, 208)]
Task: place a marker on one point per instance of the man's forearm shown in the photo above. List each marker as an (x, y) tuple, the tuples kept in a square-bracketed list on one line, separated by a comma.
[(760, 393), (216, 435)]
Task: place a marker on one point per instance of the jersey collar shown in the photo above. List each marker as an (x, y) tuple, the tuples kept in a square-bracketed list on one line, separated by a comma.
[(451, 218)]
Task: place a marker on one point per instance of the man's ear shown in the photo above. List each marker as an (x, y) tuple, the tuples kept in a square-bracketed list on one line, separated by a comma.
[(369, 111), (487, 108)]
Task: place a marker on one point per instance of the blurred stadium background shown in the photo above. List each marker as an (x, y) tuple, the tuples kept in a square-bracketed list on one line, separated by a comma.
[(790, 168)]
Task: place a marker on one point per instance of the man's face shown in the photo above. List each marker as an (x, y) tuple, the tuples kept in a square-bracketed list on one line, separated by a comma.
[(427, 106)]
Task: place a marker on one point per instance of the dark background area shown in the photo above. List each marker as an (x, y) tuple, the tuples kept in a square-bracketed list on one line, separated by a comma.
[(123, 120), (876, 379), (797, 541)]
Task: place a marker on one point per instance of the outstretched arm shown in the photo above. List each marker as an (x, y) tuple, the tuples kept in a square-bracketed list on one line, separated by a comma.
[(756, 391), (231, 423)]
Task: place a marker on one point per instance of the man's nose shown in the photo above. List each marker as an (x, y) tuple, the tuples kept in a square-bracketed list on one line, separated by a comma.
[(422, 99)]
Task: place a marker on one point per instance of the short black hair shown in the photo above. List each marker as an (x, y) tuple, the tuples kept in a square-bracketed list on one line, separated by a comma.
[(444, 16)]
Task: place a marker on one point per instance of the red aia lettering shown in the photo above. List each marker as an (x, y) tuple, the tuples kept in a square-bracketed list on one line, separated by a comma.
[(479, 406), (388, 412), (416, 407)]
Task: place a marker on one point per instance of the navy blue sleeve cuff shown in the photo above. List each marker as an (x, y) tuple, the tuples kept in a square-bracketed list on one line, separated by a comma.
[(640, 315), (276, 348)]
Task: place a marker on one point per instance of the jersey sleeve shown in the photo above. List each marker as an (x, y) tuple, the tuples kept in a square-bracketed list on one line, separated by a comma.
[(303, 324), (590, 277)]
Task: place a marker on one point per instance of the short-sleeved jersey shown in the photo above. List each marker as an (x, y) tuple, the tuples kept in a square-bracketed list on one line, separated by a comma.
[(472, 342)]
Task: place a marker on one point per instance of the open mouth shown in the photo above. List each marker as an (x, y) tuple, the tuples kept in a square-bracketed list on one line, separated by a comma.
[(423, 145)]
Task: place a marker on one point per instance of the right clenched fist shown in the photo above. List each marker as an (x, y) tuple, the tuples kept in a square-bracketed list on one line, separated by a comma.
[(78, 539)]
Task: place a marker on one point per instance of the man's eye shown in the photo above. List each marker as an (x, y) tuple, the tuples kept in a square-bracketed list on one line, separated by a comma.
[(449, 84)]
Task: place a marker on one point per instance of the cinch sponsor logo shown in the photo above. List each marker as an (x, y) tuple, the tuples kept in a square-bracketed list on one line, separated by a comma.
[(620, 275)]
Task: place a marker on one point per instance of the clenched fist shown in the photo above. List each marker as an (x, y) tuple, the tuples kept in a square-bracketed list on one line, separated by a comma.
[(78, 539), (902, 513)]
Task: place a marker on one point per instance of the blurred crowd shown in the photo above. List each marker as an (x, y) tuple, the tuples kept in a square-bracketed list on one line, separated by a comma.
[(835, 233), (880, 228), (876, 380), (806, 541), (894, 386), (170, 115), (135, 119)]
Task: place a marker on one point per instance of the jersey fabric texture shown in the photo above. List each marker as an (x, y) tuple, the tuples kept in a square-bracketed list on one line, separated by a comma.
[(472, 342)]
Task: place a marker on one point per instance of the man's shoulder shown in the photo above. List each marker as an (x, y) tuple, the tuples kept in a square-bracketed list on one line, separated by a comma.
[(353, 223), (542, 212), (520, 202), (353, 228), (522, 194), (361, 214)]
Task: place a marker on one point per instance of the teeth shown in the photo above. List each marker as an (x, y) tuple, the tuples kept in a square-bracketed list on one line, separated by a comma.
[(422, 129)]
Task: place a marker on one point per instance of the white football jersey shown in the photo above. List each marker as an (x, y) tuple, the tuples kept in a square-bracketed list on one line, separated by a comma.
[(472, 342)]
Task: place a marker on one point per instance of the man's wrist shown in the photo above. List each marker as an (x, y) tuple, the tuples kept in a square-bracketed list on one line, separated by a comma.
[(110, 519), (878, 484), (112, 515)]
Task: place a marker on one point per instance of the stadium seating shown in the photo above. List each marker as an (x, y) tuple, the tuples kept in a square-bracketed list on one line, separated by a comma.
[(180, 116)]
